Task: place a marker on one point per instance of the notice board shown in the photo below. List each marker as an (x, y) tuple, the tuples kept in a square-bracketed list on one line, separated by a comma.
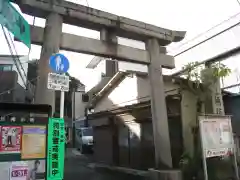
[(23, 142)]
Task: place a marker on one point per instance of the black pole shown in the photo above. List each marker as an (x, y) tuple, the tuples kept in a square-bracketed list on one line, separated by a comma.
[(86, 118), (73, 118)]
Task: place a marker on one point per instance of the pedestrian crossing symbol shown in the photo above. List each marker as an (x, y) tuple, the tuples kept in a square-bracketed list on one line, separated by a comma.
[(59, 63)]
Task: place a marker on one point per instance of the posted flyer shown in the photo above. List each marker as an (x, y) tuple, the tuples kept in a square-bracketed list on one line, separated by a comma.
[(11, 139), (19, 172), (33, 142)]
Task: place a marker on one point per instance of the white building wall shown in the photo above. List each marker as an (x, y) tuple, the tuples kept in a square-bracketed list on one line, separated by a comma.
[(79, 106), (131, 90)]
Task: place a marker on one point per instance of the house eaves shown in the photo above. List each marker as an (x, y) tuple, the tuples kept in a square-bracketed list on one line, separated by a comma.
[(92, 92), (128, 108), (116, 80), (110, 85)]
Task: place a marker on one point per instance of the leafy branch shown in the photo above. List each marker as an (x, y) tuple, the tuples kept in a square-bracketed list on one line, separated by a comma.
[(193, 72), (220, 70)]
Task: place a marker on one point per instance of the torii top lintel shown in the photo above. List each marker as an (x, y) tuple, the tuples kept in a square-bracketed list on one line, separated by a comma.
[(90, 18)]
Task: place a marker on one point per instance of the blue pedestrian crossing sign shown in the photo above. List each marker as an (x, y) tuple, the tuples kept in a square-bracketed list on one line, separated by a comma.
[(59, 63)]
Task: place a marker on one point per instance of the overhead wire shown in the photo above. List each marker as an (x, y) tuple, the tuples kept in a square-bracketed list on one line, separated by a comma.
[(211, 37), (18, 60), (205, 32), (20, 63), (238, 2), (7, 91), (10, 49)]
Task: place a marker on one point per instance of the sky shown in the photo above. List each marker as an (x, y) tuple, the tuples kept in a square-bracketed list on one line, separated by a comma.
[(193, 16)]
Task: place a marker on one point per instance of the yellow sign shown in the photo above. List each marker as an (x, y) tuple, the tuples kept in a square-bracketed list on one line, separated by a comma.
[(33, 142)]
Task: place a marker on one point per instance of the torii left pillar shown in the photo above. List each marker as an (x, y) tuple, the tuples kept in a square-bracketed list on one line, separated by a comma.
[(51, 43)]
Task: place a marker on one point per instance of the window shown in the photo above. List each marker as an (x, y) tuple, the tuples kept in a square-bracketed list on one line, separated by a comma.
[(5, 67), (87, 132)]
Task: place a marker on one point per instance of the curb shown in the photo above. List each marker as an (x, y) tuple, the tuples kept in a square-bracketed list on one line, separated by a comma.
[(124, 170)]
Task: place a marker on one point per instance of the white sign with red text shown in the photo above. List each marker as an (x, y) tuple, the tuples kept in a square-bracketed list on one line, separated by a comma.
[(18, 172), (216, 135), (220, 152)]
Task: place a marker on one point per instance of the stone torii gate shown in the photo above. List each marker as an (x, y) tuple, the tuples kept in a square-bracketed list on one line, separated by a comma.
[(110, 26)]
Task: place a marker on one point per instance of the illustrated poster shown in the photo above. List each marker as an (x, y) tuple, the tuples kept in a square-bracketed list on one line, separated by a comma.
[(11, 139), (34, 142)]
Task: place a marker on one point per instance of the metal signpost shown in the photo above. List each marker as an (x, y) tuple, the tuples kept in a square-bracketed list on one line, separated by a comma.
[(216, 139), (14, 22), (58, 81)]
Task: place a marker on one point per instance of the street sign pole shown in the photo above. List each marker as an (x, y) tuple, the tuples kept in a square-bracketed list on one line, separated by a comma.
[(204, 159), (62, 98), (60, 65), (59, 82)]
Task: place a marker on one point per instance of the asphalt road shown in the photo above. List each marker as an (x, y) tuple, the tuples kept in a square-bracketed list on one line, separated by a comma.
[(77, 168)]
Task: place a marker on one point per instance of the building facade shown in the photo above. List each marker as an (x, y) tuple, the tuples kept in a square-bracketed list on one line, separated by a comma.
[(122, 122), (13, 82)]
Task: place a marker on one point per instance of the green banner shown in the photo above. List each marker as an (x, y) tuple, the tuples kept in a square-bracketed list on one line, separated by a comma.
[(14, 22), (56, 149)]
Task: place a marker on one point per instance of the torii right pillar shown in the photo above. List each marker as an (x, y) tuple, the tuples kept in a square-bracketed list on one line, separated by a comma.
[(163, 157)]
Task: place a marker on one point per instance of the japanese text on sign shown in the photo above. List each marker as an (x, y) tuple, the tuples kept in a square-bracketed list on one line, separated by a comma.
[(58, 82), (56, 148), (216, 135), (18, 172)]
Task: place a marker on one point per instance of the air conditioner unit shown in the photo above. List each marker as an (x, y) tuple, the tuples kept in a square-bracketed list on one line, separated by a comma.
[(85, 98)]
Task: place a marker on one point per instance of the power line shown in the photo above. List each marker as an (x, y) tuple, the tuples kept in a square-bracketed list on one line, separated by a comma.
[(199, 35), (238, 2), (15, 62), (14, 47), (7, 91), (211, 37), (214, 59), (10, 49)]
